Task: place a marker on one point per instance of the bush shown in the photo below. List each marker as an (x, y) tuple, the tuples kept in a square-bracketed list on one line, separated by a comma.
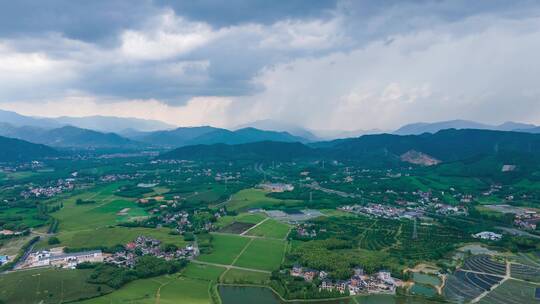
[(53, 240)]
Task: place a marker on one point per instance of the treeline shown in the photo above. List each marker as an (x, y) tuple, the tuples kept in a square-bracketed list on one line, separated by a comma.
[(145, 267), (80, 201), (53, 227)]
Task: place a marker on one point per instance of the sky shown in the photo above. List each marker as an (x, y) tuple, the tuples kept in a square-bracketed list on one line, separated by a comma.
[(324, 65)]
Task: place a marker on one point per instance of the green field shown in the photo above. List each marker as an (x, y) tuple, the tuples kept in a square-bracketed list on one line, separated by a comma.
[(225, 249), (238, 276), (251, 218), (271, 229), (255, 198), (103, 213), (263, 254), (48, 286), (12, 246), (203, 272), (111, 236), (168, 289)]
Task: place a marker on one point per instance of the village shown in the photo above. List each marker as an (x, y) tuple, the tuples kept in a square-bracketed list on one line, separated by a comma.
[(359, 283), (141, 246)]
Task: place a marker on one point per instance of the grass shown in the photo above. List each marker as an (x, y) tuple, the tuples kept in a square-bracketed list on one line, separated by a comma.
[(18, 215), (110, 236), (251, 218), (203, 272), (185, 291), (270, 229), (263, 254), (225, 249), (238, 276), (191, 287), (11, 247), (256, 198), (47, 286), (74, 217)]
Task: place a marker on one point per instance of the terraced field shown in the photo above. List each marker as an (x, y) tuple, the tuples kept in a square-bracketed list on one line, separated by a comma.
[(482, 263), (465, 286), (479, 274), (512, 292), (525, 272)]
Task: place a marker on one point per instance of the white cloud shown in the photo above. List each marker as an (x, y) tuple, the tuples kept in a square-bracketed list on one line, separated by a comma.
[(167, 36), (307, 35), (490, 75)]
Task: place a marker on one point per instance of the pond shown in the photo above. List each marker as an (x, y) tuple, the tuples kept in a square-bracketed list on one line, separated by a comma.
[(261, 295), (426, 279), (423, 290)]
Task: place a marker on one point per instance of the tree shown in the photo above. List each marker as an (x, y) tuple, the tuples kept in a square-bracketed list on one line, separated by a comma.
[(53, 240)]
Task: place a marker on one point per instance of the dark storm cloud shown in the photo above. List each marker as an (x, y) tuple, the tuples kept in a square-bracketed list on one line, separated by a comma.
[(266, 52), (96, 20), (232, 12)]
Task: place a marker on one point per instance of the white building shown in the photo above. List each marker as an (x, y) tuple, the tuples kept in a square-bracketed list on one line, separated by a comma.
[(488, 235)]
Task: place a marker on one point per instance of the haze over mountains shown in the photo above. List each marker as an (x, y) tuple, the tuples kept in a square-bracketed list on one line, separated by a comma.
[(422, 127), (132, 133), (97, 123)]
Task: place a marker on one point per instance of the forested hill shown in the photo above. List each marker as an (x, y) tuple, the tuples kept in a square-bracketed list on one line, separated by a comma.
[(446, 145), (19, 150), (264, 150)]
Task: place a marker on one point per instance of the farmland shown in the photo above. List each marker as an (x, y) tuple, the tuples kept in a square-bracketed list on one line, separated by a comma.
[(511, 292), (225, 248), (263, 254), (115, 235), (184, 203), (255, 198), (49, 286), (270, 229)]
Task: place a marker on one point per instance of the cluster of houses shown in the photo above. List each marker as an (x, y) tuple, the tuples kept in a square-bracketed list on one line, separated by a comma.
[(380, 282), (109, 178), (375, 210), (528, 220), (6, 233), (143, 245), (56, 257), (445, 209), (488, 235), (306, 230), (60, 186), (276, 187)]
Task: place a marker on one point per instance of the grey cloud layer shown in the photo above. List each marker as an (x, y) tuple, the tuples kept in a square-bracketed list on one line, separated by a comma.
[(338, 60)]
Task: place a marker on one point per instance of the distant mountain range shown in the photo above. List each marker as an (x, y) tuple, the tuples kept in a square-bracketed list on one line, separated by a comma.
[(279, 126), (19, 150), (422, 127), (446, 145), (307, 135), (74, 137), (68, 137), (97, 123), (210, 135)]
